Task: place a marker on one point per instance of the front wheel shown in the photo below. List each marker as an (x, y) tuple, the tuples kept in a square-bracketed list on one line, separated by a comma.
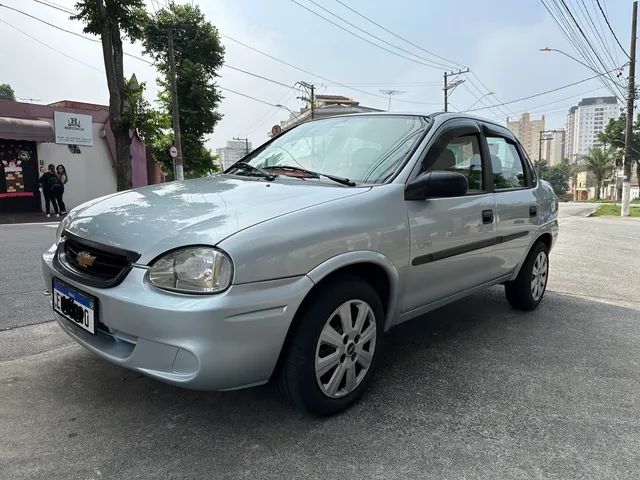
[(333, 347), (527, 290)]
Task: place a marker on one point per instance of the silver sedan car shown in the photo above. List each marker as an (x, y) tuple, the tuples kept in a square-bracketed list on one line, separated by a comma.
[(292, 264)]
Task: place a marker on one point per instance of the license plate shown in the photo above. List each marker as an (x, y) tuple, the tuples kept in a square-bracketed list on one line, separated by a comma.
[(77, 307)]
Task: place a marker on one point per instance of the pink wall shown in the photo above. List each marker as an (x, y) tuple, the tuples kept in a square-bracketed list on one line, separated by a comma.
[(138, 156)]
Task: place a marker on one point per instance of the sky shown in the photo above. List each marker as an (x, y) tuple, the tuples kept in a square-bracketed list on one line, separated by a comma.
[(499, 40)]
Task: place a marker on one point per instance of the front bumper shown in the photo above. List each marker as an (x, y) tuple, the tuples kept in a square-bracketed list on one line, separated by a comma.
[(206, 342)]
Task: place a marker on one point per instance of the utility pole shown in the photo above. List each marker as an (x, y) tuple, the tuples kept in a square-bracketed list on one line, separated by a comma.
[(540, 140), (628, 134), (311, 89), (449, 87), (177, 166)]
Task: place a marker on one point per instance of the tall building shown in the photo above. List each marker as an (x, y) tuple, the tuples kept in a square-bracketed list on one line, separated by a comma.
[(586, 120), (528, 132), (553, 148), (234, 151)]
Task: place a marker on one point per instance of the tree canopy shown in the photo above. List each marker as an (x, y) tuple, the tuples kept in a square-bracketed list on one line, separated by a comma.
[(613, 137), (198, 55), (600, 162), (557, 175), (6, 92)]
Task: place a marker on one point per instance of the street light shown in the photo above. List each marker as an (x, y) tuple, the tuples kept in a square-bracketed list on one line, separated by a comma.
[(476, 102), (547, 49), (286, 108)]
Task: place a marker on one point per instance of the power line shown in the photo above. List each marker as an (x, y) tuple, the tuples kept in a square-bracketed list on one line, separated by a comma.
[(566, 28), (259, 76), (50, 24), (586, 39), (50, 47), (315, 74), (245, 95), (364, 38), (492, 100), (542, 93), (94, 40), (366, 32), (398, 36), (604, 15), (56, 6)]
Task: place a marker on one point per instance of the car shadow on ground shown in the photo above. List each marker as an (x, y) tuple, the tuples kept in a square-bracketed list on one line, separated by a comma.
[(472, 387)]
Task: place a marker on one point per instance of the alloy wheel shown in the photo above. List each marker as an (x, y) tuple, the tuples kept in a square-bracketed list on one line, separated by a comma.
[(539, 275), (345, 348)]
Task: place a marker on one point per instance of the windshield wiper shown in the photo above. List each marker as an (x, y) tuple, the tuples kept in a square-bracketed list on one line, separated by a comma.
[(247, 166), (341, 180)]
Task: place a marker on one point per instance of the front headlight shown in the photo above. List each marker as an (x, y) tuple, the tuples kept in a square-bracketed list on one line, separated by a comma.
[(192, 270), (59, 231)]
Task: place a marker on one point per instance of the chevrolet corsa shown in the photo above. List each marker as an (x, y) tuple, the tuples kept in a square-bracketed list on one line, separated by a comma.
[(293, 263)]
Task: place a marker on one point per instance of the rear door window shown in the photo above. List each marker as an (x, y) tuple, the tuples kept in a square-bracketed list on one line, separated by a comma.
[(506, 163)]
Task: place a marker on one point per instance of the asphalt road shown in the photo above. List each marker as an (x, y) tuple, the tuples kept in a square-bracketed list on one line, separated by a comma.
[(473, 390)]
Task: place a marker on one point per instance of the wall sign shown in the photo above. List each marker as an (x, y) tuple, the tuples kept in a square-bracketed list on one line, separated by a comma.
[(73, 128)]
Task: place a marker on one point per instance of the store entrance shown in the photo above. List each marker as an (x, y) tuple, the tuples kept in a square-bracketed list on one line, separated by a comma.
[(19, 177)]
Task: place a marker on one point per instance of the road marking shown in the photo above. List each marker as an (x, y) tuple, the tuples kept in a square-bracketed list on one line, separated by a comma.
[(45, 224)]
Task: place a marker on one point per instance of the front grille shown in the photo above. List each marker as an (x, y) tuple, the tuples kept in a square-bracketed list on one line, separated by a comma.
[(107, 266)]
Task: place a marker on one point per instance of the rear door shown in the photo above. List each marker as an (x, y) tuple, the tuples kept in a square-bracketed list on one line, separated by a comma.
[(514, 188), (452, 239)]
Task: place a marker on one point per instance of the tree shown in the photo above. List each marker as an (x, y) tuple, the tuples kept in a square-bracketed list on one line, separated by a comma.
[(198, 55), (558, 176), (613, 136), (114, 20), (6, 92), (599, 162)]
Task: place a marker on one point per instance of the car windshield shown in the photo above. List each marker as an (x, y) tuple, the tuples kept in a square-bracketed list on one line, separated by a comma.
[(363, 149)]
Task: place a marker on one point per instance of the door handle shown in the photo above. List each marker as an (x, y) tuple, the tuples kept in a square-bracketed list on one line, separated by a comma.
[(487, 216), (533, 211)]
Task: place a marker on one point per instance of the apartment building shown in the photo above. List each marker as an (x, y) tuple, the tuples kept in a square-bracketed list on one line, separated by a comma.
[(234, 151), (553, 148), (585, 121), (528, 132)]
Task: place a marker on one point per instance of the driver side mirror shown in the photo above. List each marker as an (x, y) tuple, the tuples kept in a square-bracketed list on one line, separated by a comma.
[(437, 184)]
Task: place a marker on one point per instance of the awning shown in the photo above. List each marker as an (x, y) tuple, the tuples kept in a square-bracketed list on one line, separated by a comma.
[(21, 129)]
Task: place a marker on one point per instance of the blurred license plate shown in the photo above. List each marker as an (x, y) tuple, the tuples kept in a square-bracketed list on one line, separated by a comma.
[(75, 306)]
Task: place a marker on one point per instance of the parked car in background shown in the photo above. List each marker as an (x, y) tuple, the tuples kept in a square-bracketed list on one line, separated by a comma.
[(293, 264)]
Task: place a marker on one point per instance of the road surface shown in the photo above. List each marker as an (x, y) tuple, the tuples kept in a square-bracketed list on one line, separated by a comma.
[(472, 390)]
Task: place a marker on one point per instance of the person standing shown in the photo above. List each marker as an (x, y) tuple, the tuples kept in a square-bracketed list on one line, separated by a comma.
[(58, 190), (47, 180)]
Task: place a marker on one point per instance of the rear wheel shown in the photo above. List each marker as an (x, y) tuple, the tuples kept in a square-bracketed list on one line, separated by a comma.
[(527, 290), (333, 348)]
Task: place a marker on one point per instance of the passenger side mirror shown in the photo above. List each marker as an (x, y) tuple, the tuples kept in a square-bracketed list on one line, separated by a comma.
[(437, 184)]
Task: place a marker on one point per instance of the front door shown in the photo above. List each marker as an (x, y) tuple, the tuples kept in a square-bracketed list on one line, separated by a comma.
[(452, 239)]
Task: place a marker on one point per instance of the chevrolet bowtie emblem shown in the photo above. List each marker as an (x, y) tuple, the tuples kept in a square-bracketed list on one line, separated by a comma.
[(85, 259)]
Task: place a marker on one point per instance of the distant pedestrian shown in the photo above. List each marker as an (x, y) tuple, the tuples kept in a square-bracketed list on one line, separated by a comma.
[(47, 181), (58, 191)]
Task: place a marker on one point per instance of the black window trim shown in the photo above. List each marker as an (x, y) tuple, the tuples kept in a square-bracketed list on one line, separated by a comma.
[(454, 128), (495, 131)]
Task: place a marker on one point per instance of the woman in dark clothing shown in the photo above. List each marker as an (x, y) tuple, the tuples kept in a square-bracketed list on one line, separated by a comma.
[(47, 181), (61, 172)]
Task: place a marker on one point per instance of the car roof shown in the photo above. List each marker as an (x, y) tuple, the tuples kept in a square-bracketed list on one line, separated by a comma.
[(440, 116)]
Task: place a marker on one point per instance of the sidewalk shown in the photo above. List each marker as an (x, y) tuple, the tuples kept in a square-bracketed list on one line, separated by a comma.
[(26, 217)]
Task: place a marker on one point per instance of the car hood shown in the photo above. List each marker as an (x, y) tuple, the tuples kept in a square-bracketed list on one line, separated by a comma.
[(157, 218)]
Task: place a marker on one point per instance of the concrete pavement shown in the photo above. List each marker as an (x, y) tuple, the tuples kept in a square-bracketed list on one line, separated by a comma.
[(473, 390)]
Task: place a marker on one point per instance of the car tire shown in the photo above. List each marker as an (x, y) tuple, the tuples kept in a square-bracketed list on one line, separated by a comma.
[(326, 366), (527, 290)]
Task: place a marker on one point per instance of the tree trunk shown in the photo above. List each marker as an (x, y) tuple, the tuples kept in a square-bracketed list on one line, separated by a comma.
[(598, 187), (112, 53)]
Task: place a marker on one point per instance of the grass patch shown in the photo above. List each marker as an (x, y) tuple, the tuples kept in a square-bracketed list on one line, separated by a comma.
[(614, 210)]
